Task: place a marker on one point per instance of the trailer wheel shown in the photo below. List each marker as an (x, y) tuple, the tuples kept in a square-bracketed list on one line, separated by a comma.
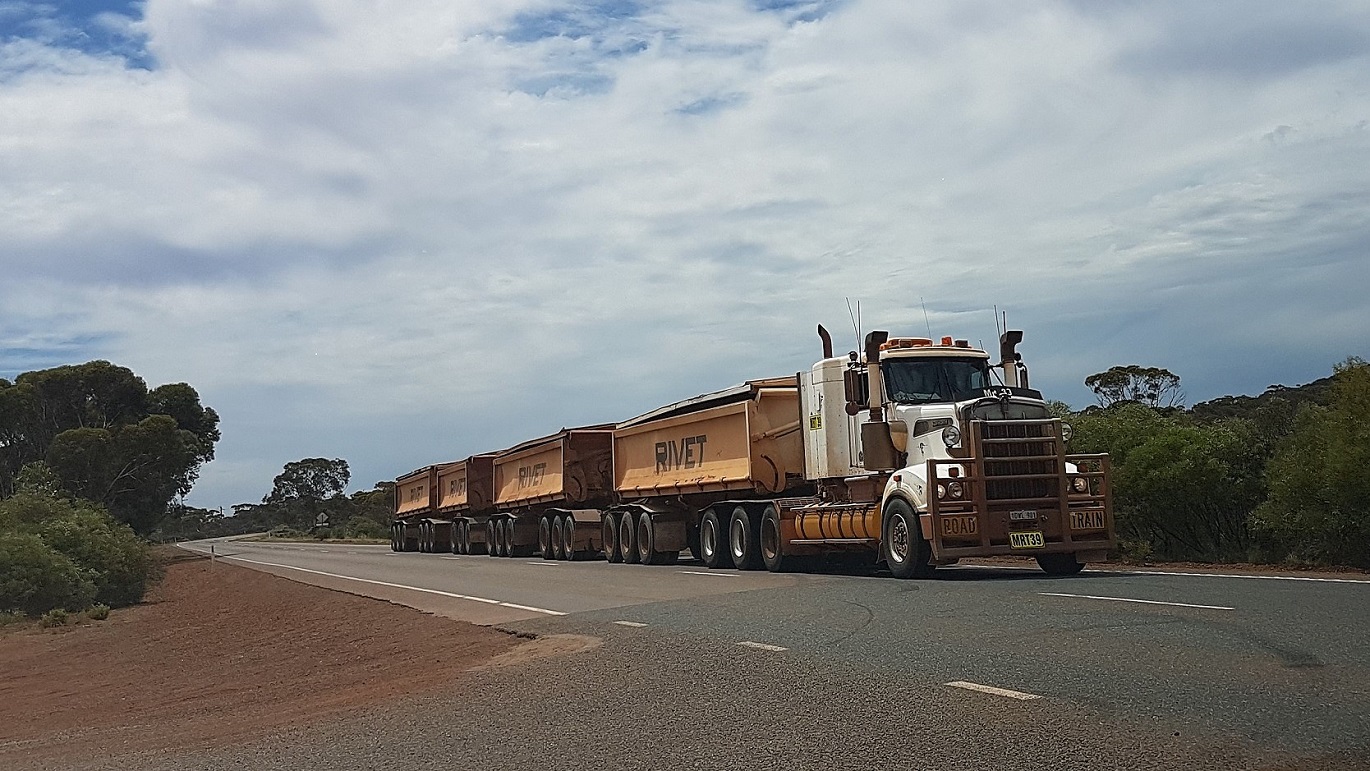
[(646, 542), (627, 537), (713, 541), (394, 539), (772, 546), (1059, 564), (743, 533), (905, 551), (608, 530), (545, 537), (556, 534), (459, 537), (568, 537), (510, 546)]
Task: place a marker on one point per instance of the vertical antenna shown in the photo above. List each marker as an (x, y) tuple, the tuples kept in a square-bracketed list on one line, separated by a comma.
[(997, 332), (926, 323), (855, 324)]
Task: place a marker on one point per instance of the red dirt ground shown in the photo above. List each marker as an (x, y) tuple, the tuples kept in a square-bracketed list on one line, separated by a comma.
[(218, 653)]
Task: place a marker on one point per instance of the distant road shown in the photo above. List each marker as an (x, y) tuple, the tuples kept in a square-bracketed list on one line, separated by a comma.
[(1270, 667)]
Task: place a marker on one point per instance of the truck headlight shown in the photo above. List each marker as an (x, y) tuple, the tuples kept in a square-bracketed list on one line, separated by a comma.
[(955, 490), (951, 436), (1066, 431), (941, 492), (1079, 485)]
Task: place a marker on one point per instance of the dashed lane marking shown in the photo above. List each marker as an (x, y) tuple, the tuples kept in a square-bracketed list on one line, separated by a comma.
[(544, 563), (1021, 696), (1140, 602), (449, 558), (762, 646), (1239, 575), (708, 573), (633, 624), (485, 600)]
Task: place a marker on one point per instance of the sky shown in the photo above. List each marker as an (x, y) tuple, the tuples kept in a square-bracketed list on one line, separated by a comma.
[(404, 233)]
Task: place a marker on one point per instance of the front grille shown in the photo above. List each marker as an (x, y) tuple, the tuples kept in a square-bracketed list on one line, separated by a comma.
[(1021, 459)]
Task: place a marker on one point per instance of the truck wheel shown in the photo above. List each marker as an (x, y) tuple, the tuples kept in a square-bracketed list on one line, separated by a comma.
[(394, 539), (646, 542), (743, 532), (425, 538), (772, 547), (558, 536), (509, 547), (545, 537), (608, 530), (491, 539), (713, 541), (627, 537), (568, 538), (1059, 564), (905, 551)]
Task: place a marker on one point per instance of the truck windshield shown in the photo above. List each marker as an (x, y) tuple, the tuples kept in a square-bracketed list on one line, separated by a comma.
[(924, 380)]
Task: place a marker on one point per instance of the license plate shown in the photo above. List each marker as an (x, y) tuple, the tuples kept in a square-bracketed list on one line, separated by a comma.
[(960, 527), (1087, 520), (1023, 515), (1026, 540)]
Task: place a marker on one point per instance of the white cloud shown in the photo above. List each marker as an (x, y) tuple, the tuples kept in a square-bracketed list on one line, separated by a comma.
[(394, 235)]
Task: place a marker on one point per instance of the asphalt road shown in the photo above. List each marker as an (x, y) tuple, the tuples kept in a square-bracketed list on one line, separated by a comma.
[(978, 668)]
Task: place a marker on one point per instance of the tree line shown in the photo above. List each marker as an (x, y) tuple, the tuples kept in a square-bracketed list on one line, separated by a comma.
[(1279, 477), (91, 462)]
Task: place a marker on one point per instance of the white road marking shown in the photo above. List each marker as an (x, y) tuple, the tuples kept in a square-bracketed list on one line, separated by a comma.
[(1142, 602), (633, 624), (543, 562), (1238, 575), (762, 646), (992, 690), (403, 586), (449, 558), (707, 573)]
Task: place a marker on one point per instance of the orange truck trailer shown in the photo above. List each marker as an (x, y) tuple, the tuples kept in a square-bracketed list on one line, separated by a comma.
[(913, 453)]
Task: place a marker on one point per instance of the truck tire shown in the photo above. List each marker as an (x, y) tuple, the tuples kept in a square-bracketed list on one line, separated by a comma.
[(1059, 564), (463, 545), (394, 539), (744, 530), (508, 547), (425, 538), (646, 542), (491, 538), (558, 536), (568, 538), (627, 537), (906, 553), (608, 530), (545, 538), (713, 541), (772, 545)]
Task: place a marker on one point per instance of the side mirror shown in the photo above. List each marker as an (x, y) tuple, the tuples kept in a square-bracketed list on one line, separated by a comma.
[(856, 387)]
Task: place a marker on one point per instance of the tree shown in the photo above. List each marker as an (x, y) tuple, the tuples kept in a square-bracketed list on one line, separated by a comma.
[(311, 479), (1319, 504), (1152, 386), (107, 437)]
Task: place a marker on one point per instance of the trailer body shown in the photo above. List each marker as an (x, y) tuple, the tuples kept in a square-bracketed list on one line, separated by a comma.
[(552, 486)]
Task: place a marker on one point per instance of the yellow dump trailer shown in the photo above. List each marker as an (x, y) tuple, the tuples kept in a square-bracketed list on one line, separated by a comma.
[(548, 494), (672, 463), (466, 498), (415, 500)]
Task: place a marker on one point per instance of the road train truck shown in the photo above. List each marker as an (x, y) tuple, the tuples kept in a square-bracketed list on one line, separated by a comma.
[(913, 453)]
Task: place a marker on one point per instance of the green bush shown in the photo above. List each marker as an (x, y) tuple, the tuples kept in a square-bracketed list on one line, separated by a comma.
[(54, 617), (98, 612), (108, 551), (365, 527), (34, 578), (283, 531)]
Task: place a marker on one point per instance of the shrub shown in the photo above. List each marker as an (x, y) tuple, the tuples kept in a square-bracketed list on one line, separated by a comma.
[(34, 578), (98, 612), (283, 531), (365, 527), (54, 617), (115, 559)]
